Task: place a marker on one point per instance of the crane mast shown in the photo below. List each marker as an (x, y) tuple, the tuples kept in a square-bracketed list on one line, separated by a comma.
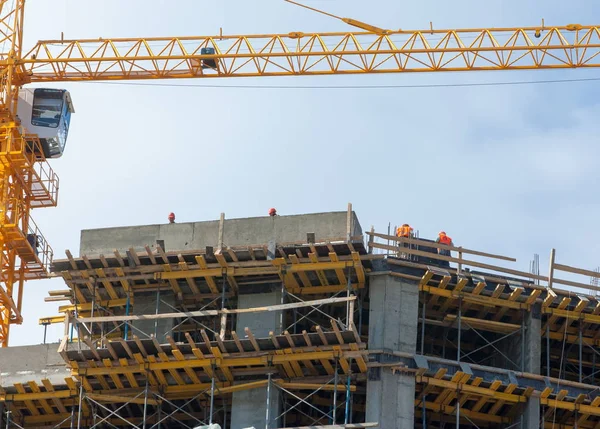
[(27, 181)]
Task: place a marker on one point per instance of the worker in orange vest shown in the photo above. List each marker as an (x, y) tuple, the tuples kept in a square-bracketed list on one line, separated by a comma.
[(444, 239), (405, 231)]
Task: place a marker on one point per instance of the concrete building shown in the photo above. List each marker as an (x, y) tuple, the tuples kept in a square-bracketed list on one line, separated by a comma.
[(301, 321)]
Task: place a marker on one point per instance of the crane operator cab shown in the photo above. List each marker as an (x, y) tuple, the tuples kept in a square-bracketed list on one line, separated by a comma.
[(47, 113)]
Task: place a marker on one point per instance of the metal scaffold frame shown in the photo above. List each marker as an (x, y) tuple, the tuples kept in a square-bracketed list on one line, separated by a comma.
[(493, 309), (182, 357)]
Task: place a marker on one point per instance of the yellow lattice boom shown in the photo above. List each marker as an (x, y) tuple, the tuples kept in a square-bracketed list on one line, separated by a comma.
[(315, 54)]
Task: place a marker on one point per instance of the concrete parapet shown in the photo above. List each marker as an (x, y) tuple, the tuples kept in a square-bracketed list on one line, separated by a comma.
[(236, 232), (25, 363)]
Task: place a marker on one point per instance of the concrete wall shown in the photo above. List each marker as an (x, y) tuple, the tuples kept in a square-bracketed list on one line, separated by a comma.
[(249, 408), (25, 363), (393, 317), (260, 323), (236, 232), (146, 304)]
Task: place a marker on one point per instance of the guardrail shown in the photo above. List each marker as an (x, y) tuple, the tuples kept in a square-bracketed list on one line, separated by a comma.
[(551, 280)]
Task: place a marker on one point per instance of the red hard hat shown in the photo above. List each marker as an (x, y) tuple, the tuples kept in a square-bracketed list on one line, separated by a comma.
[(171, 215), (272, 212)]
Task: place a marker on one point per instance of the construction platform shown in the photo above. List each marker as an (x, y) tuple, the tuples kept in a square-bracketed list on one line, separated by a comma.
[(304, 321)]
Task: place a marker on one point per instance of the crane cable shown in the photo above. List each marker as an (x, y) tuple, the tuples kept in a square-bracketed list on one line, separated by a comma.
[(349, 21), (411, 86)]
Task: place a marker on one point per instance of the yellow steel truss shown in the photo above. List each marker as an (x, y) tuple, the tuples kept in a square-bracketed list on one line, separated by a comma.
[(297, 53)]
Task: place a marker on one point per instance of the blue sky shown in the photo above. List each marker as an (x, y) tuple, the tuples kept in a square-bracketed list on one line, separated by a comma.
[(505, 169)]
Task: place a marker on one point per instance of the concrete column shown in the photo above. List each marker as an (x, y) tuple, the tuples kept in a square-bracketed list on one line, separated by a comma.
[(531, 414), (532, 362), (532, 358), (393, 314), (249, 406), (525, 349), (393, 324), (146, 304)]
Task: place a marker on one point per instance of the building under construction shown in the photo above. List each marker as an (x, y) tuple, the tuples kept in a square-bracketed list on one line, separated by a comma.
[(305, 321)]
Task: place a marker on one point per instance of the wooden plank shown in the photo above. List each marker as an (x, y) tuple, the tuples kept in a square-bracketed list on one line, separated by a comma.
[(150, 254), (209, 313), (57, 402), (226, 371), (289, 339), (107, 285), (286, 276), (336, 329), (221, 229), (349, 219), (306, 338), (301, 274), (119, 258), (253, 341), (111, 350), (551, 268), (223, 263), (189, 371), (463, 261), (320, 273), (158, 372), (29, 404), (103, 261), (550, 297), (209, 280), (172, 282), (190, 281), (141, 361), (338, 272), (359, 269), (61, 292), (134, 256), (237, 341), (321, 335), (71, 259), (92, 347), (43, 402)]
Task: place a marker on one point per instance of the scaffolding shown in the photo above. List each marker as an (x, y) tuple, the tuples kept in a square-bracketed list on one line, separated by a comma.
[(160, 339), (180, 361), (486, 318)]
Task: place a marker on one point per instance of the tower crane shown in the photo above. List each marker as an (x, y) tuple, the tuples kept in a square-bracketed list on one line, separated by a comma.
[(34, 123)]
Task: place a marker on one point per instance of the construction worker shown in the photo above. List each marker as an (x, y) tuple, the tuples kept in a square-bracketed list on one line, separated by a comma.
[(405, 231), (444, 239)]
